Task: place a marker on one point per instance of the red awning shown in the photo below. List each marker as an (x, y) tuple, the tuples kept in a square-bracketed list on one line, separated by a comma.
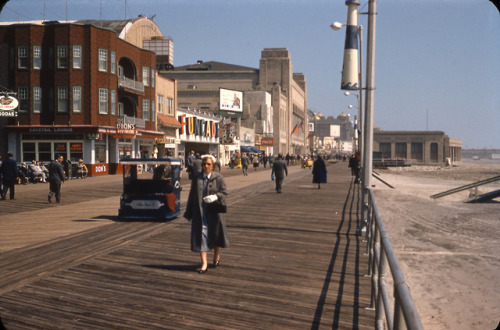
[(168, 121)]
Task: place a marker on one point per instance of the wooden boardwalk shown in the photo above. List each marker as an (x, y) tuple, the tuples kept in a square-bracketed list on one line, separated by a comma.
[(294, 262)]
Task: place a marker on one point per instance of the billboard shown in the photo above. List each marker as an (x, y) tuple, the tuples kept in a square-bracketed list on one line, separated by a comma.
[(335, 131), (230, 100)]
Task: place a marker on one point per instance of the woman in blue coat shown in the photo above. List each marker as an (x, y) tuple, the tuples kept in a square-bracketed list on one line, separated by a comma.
[(208, 228), (319, 171)]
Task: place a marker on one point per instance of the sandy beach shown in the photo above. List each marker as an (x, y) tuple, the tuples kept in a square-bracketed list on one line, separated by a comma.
[(448, 249)]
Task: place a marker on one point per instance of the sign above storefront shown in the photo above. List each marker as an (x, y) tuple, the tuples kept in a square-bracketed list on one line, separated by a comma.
[(8, 104)]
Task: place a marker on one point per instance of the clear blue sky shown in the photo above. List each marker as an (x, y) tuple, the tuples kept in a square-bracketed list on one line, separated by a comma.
[(437, 62)]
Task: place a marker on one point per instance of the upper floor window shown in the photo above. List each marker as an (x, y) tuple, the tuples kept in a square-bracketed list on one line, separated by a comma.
[(103, 60), (170, 106), (23, 98), (77, 98), (152, 77), (37, 57), (153, 113), (160, 103), (22, 57), (113, 62), (103, 101), (37, 99), (77, 57), (62, 57), (145, 109), (113, 102), (62, 98), (145, 75)]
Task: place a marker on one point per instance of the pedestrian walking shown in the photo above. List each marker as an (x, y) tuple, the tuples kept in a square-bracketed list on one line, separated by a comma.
[(255, 161), (245, 161), (264, 160), (319, 171), (208, 226), (56, 178), (9, 174), (279, 171)]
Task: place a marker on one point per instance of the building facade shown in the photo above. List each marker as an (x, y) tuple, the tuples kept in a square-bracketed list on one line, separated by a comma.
[(417, 147), (199, 87), (86, 90)]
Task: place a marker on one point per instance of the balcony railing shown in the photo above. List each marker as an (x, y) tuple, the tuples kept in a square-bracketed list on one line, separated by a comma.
[(128, 83), (139, 122)]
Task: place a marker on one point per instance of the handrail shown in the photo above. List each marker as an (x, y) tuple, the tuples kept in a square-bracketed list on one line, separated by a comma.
[(383, 262)]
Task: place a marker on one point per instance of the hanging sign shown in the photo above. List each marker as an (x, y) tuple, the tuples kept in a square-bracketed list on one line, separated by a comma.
[(8, 104)]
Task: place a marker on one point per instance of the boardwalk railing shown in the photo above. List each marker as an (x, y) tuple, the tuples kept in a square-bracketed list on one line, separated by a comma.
[(383, 263)]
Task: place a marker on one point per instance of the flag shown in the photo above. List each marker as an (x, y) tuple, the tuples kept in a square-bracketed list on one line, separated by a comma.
[(295, 129)]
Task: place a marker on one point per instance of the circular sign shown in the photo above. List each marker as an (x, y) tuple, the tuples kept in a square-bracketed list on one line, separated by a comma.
[(8, 103)]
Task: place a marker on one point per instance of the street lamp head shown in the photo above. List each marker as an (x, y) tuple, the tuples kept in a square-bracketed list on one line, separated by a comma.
[(336, 26), (347, 93), (350, 106)]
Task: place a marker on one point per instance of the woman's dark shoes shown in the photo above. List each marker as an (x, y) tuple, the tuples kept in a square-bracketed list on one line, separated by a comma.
[(216, 262), (201, 271)]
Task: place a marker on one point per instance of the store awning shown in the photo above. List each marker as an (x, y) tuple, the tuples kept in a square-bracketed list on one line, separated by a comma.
[(250, 150), (245, 149)]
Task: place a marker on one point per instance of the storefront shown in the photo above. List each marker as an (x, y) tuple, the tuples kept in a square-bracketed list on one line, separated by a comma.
[(100, 148), (199, 132)]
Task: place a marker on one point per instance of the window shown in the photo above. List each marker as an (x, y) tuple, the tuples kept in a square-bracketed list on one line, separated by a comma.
[(77, 98), (160, 103), (113, 62), (113, 102), (103, 60), (153, 114), (152, 77), (417, 151), (434, 152), (385, 149), (37, 57), (401, 150), (103, 101), (37, 99), (77, 57), (23, 98), (22, 57), (145, 75), (62, 98), (145, 109), (62, 57), (170, 106)]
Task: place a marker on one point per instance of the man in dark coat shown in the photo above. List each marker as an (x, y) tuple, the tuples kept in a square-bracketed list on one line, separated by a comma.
[(56, 177), (319, 171), (245, 161), (9, 175), (279, 171)]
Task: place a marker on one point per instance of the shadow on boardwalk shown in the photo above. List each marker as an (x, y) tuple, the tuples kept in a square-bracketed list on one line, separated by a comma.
[(294, 262)]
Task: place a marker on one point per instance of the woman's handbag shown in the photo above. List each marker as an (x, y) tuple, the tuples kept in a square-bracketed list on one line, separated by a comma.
[(217, 207)]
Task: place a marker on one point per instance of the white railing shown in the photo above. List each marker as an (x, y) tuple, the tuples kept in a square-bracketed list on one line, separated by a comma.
[(125, 82)]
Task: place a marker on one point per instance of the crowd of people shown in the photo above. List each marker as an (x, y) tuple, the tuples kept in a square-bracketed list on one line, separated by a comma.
[(12, 173)]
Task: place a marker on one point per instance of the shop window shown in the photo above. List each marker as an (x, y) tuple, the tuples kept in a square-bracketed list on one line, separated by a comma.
[(75, 151), (77, 57), (29, 151), (103, 60), (100, 153), (62, 98), (37, 57), (44, 151), (62, 57), (37, 99), (22, 57)]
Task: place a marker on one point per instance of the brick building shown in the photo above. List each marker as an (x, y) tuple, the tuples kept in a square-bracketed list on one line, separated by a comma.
[(86, 89)]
